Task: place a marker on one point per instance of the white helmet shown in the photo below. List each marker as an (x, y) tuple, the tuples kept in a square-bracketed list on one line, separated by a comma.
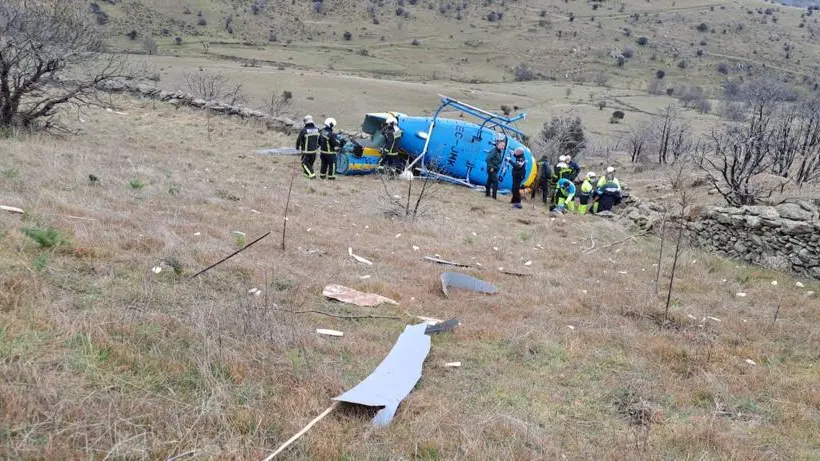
[(561, 165), (330, 122), (591, 175), (390, 120), (308, 119), (610, 169), (568, 158), (562, 158)]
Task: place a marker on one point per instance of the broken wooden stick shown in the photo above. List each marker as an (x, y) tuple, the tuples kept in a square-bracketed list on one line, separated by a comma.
[(229, 256), (631, 237), (287, 205), (302, 432)]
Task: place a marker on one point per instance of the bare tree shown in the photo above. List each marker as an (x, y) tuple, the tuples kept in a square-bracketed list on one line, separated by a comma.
[(51, 54), (150, 46), (213, 87), (279, 104), (738, 157), (637, 139), (671, 134)]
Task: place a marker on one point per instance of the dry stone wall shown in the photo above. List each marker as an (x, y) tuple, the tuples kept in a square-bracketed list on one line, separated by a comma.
[(180, 98), (783, 237)]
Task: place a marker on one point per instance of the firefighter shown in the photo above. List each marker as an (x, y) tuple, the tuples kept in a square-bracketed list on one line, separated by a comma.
[(559, 172), (328, 145), (609, 177), (608, 195), (308, 144), (587, 189), (494, 159), (543, 181), (390, 153), (519, 167)]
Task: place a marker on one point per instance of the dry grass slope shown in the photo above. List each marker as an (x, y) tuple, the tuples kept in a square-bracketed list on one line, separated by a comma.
[(101, 357)]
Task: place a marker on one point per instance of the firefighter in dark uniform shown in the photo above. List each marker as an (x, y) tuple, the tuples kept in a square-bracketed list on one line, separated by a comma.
[(543, 180), (308, 144), (390, 154), (328, 145)]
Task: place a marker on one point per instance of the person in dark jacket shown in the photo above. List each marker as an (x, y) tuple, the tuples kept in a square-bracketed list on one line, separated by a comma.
[(575, 169), (328, 145), (390, 153), (308, 144), (543, 180), (494, 159), (519, 168)]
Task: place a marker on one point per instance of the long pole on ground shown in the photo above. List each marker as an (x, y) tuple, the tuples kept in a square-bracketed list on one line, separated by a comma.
[(287, 206), (302, 432)]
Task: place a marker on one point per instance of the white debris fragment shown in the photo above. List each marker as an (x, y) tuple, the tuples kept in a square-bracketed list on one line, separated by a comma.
[(584, 291), (322, 331), (398, 236), (501, 268), (429, 320), (12, 209), (479, 264), (357, 257), (692, 317), (437, 255), (751, 362), (475, 235), (415, 248), (528, 263), (197, 234), (798, 285), (364, 277), (495, 248), (254, 211), (255, 291), (571, 327), (452, 364), (156, 269), (774, 283), (622, 272), (741, 295), (367, 227), (309, 229), (714, 319), (722, 281), (809, 293), (238, 233)]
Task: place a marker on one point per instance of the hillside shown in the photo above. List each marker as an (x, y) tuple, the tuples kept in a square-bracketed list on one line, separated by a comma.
[(103, 356), (563, 41)]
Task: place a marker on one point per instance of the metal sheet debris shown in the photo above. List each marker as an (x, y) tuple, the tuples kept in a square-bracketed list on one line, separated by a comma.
[(325, 332), (466, 282), (351, 296), (395, 377), (357, 257), (452, 364), (444, 261), (442, 327)]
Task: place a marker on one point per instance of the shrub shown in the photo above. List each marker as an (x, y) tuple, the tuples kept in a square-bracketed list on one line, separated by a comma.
[(601, 105), (660, 74), (523, 73), (492, 17), (723, 68), (505, 109), (642, 41), (703, 106), (47, 237), (136, 183), (628, 53), (415, 42), (702, 27), (202, 21), (178, 40), (399, 11), (618, 115), (347, 35), (132, 35), (150, 45), (318, 7), (186, 10), (682, 64)]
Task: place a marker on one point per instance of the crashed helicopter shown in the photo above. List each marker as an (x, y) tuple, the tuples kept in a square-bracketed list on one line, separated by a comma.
[(446, 149)]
